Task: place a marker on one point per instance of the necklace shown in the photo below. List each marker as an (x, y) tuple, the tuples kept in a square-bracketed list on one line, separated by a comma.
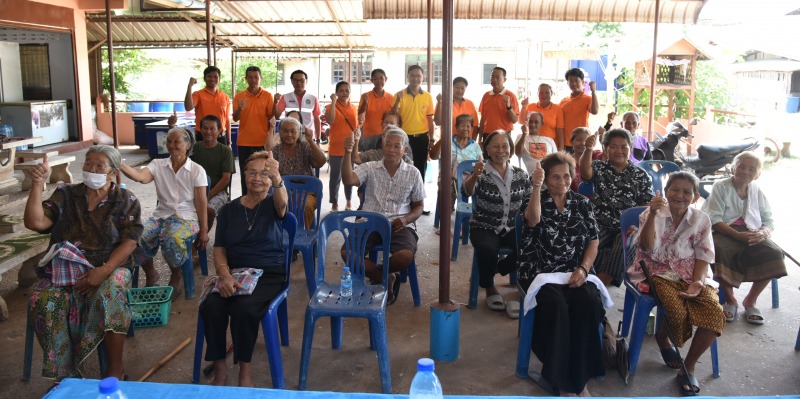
[(247, 220)]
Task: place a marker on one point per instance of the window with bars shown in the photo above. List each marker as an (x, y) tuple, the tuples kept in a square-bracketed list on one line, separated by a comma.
[(34, 62), (422, 60), (360, 70)]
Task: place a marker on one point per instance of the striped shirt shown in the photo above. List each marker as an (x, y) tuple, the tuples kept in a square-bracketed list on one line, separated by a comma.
[(388, 195)]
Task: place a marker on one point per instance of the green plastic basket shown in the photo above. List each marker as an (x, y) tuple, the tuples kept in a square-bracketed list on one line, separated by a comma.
[(150, 306)]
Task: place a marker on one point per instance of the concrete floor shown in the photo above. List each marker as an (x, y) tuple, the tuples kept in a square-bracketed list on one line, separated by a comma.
[(755, 360)]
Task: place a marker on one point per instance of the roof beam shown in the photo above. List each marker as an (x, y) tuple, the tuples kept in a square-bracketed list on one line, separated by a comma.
[(296, 35), (338, 24), (225, 43), (233, 10), (123, 19)]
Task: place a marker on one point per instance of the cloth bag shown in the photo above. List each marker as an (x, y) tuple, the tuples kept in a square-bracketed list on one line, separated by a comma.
[(66, 264), (246, 276)]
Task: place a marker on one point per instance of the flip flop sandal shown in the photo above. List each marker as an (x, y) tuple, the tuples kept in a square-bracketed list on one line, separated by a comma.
[(732, 309), (495, 302), (690, 381), (395, 289), (753, 315), (512, 309), (671, 356)]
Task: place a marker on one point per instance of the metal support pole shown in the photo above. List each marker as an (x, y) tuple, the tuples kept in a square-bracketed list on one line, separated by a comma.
[(233, 74), (429, 69), (208, 32), (445, 314), (214, 43), (653, 70), (111, 82), (348, 76)]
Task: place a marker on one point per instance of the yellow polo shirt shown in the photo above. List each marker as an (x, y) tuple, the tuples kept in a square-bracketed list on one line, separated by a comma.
[(415, 110)]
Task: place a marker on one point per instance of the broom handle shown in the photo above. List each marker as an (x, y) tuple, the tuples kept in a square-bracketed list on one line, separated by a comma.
[(165, 359)]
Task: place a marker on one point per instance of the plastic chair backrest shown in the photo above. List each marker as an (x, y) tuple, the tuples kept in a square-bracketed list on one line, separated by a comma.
[(628, 218), (298, 187), (289, 225), (464, 167), (586, 188), (704, 191), (518, 229), (664, 168), (356, 227)]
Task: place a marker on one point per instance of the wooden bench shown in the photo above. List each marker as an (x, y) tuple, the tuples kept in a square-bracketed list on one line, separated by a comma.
[(36, 154), (59, 170), (25, 249)]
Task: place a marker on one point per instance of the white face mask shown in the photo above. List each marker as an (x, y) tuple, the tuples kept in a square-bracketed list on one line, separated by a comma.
[(94, 180)]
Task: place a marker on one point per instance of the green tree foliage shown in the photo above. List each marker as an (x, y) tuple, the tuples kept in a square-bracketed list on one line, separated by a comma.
[(605, 30), (128, 64), (268, 72)]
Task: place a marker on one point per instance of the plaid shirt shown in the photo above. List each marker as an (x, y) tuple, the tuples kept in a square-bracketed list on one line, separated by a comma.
[(390, 196), (68, 263)]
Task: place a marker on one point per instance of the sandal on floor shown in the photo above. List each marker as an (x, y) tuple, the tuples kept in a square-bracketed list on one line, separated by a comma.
[(671, 357), (753, 315), (495, 302), (512, 309), (688, 380), (732, 309), (395, 288)]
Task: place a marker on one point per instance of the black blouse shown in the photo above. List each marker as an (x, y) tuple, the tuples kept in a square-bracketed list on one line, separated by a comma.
[(260, 247), (615, 192), (557, 243)]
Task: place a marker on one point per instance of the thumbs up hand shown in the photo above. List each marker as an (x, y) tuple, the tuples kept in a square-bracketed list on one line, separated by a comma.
[(349, 143), (172, 120), (41, 172), (477, 170), (657, 202), (591, 141), (537, 177)]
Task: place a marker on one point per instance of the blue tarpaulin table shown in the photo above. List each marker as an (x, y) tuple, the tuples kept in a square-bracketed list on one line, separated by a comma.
[(76, 388)]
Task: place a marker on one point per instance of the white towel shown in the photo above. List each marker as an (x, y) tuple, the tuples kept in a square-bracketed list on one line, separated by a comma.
[(562, 279), (752, 215)]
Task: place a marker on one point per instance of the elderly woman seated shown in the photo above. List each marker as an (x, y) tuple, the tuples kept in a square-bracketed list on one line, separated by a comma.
[(499, 194), (181, 211), (248, 235), (99, 222), (674, 241), (299, 157), (742, 221), (618, 185), (559, 243)]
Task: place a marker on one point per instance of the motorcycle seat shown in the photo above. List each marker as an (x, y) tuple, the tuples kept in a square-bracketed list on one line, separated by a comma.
[(709, 151)]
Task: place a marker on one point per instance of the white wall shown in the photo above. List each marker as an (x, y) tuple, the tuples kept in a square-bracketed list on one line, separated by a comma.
[(10, 72)]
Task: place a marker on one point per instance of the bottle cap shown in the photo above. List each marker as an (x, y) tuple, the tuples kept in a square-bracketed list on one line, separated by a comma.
[(109, 385), (425, 364), (123, 185), (347, 269)]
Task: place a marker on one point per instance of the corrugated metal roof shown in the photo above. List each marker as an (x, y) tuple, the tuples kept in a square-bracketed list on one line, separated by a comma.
[(672, 11), (332, 25)]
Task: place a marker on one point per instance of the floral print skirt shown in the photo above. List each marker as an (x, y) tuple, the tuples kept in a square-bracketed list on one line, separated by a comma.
[(170, 235), (70, 325)]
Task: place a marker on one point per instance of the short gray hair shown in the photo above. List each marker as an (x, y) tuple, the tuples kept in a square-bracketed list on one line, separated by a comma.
[(393, 130), (630, 113), (291, 120), (112, 153), (187, 135), (747, 155)]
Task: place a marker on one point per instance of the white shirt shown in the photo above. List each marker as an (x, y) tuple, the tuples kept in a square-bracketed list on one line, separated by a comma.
[(535, 148), (175, 191), (390, 195)]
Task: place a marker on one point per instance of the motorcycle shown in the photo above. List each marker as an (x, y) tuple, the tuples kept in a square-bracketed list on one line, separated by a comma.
[(710, 157)]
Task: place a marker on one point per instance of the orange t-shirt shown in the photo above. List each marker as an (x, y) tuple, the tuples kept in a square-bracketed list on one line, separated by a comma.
[(376, 107), (343, 125), (494, 113), (254, 118), (466, 107), (208, 103), (553, 117), (576, 112)]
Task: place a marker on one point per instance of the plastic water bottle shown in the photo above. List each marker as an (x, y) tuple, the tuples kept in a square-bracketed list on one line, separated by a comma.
[(425, 384), (123, 186), (109, 389), (346, 284)]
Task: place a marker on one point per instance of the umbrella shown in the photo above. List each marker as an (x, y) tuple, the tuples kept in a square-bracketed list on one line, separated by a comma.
[(623, 362)]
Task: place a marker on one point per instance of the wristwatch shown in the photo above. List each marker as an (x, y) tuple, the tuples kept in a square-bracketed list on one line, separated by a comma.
[(508, 107)]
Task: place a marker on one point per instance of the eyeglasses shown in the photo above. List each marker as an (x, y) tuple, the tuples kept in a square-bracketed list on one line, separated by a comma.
[(252, 173), (95, 167)]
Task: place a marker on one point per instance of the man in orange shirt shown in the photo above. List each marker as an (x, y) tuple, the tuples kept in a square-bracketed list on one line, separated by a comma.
[(252, 108), (209, 101), (498, 107), (579, 104), (552, 114), (461, 106), (374, 104)]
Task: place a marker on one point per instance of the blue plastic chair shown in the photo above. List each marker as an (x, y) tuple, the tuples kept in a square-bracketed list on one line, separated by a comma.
[(188, 266), (586, 189), (276, 320), (637, 305), (776, 299), (658, 171), (408, 275), (367, 301), (298, 188), (463, 209)]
